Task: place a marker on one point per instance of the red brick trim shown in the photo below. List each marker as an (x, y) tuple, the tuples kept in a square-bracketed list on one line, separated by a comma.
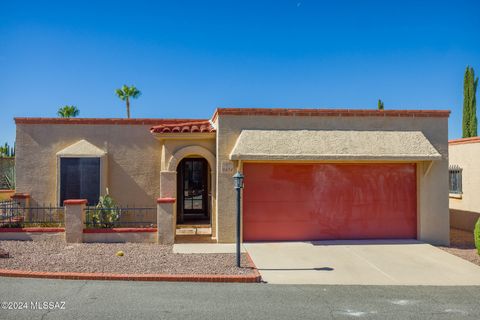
[(6, 191), (166, 200), (119, 230), (75, 201), (464, 140), (130, 277), (254, 267), (20, 196), (33, 229), (331, 112), (101, 121)]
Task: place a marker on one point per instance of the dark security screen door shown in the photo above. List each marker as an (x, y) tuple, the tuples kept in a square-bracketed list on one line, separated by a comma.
[(195, 186), (80, 179)]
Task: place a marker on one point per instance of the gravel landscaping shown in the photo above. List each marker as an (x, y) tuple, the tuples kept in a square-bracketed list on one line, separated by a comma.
[(462, 245), (57, 256)]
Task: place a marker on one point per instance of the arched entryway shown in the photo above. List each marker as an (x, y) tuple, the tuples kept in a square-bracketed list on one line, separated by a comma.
[(194, 191), (186, 185)]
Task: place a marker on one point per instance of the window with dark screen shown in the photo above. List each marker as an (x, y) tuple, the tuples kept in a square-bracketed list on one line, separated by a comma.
[(80, 179)]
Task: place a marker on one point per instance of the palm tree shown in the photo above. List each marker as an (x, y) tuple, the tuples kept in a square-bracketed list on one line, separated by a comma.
[(125, 93), (68, 112)]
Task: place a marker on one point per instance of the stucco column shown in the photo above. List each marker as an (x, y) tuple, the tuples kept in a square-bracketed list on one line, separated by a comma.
[(165, 221), (168, 184), (74, 220), (23, 201)]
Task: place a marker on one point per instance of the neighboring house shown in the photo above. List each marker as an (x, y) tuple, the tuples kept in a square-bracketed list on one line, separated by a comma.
[(464, 182), (309, 173), (7, 167)]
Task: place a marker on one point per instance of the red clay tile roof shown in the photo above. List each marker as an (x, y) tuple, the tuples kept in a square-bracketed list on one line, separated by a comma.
[(202, 126)]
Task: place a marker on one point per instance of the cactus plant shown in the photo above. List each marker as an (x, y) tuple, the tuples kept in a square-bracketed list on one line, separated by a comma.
[(106, 212)]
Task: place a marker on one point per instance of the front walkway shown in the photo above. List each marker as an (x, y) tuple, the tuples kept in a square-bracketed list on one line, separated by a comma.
[(399, 262)]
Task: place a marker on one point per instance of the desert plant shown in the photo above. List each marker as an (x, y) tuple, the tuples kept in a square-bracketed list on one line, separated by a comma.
[(106, 213), (125, 93), (476, 234), (68, 112), (380, 105)]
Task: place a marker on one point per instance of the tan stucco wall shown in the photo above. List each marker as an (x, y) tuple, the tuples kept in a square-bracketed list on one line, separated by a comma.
[(137, 161), (133, 157), (433, 216), (465, 209)]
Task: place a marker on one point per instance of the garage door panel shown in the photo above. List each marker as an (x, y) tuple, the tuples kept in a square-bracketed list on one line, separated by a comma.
[(329, 201)]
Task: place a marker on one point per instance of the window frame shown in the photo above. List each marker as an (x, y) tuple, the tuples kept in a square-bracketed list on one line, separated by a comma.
[(102, 172), (457, 172)]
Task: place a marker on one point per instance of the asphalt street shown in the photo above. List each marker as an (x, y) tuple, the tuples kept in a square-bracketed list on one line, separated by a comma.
[(71, 299)]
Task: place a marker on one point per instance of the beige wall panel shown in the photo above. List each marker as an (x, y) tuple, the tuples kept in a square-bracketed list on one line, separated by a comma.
[(133, 156), (467, 157)]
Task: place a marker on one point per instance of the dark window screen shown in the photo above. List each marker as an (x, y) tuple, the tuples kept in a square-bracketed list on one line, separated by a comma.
[(80, 179)]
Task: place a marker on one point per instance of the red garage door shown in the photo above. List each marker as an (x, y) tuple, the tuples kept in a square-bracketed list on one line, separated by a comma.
[(329, 201)]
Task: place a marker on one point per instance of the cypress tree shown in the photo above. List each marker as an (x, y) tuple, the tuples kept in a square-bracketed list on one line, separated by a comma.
[(380, 104), (469, 124), (473, 104), (466, 106)]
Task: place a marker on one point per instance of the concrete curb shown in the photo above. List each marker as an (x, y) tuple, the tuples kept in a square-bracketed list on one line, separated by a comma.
[(250, 278)]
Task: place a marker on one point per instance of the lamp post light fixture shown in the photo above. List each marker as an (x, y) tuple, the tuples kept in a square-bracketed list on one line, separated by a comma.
[(238, 185)]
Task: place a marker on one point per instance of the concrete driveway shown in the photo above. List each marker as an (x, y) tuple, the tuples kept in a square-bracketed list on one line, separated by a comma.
[(398, 262)]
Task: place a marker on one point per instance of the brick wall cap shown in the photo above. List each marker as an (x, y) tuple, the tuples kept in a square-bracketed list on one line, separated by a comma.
[(119, 230), (20, 196), (166, 200), (75, 201)]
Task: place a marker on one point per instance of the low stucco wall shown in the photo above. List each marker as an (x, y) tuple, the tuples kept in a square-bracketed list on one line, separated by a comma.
[(32, 236), (432, 194), (463, 220), (107, 236)]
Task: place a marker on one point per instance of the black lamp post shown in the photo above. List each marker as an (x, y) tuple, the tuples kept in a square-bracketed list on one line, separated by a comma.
[(238, 185)]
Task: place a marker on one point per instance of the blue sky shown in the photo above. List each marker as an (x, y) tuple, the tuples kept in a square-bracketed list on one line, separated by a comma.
[(189, 57)]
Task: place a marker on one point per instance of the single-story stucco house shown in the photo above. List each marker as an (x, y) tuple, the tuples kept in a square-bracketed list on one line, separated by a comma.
[(464, 182), (310, 174)]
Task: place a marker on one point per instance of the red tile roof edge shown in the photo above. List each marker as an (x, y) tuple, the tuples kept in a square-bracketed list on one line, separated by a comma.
[(201, 126), (240, 111), (330, 112), (464, 140), (104, 121)]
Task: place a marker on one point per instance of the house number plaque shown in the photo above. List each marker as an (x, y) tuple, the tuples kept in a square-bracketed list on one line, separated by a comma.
[(226, 166)]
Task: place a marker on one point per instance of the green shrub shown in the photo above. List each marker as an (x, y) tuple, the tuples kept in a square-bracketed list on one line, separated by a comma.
[(476, 234)]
